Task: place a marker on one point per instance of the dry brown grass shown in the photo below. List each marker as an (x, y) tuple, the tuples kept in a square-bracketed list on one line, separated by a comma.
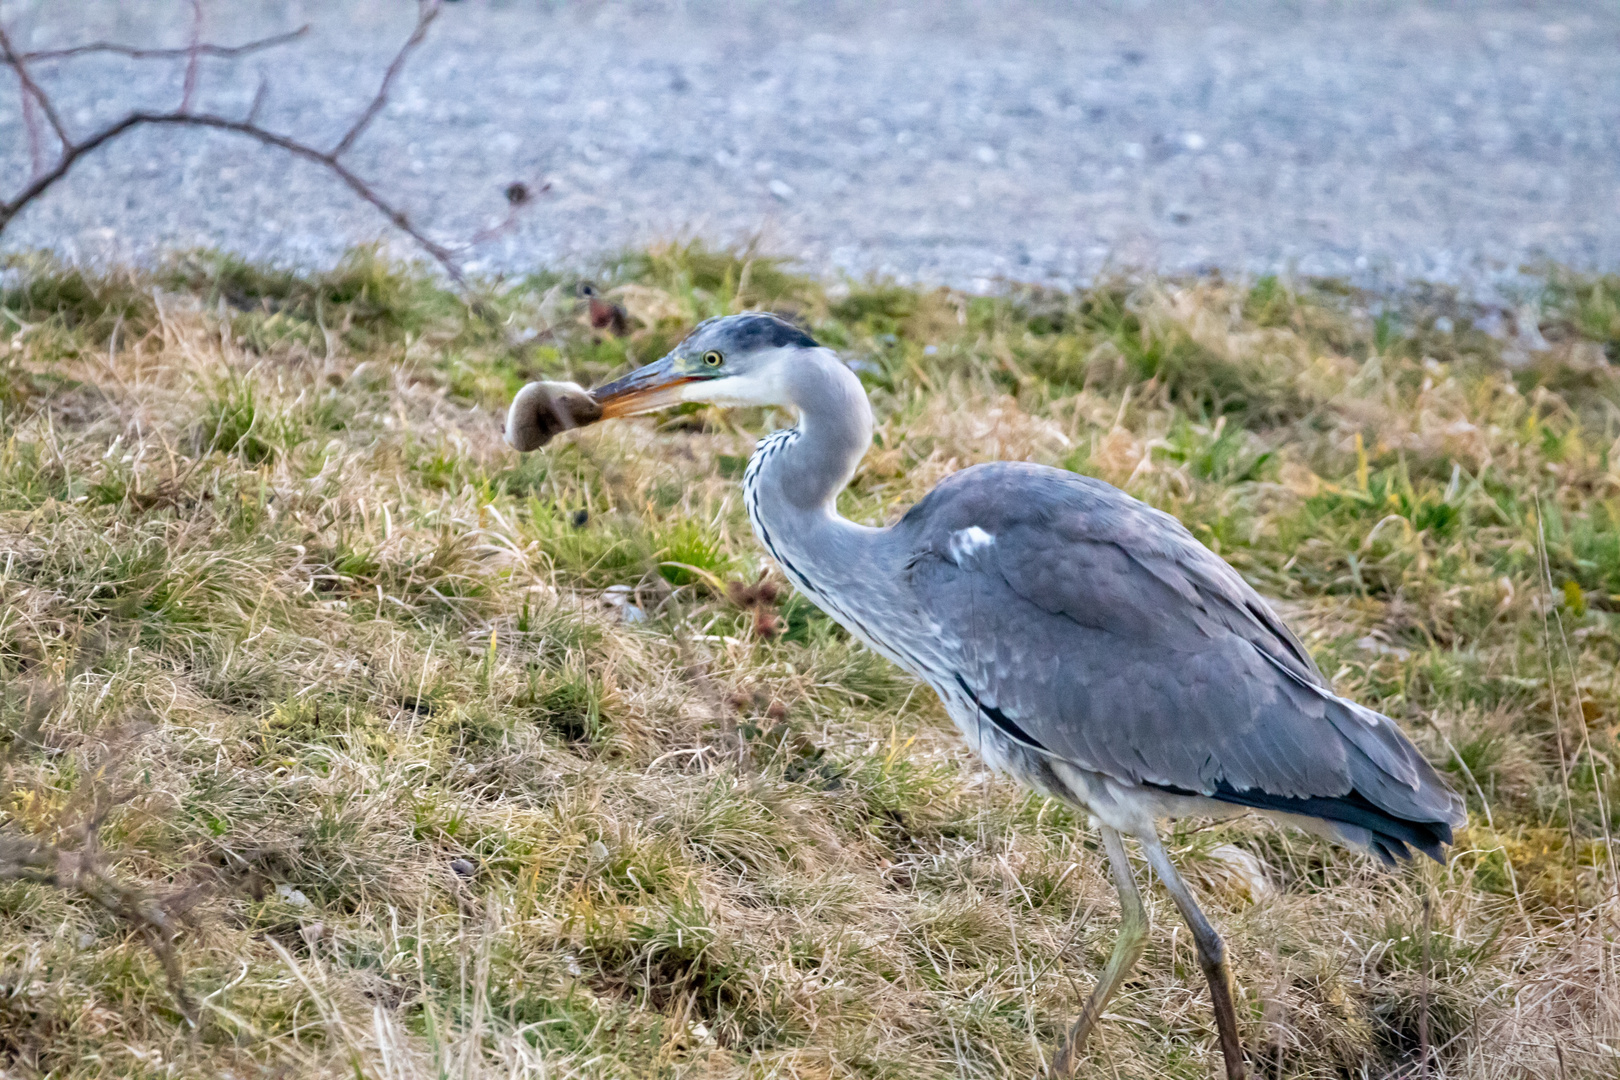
[(423, 761)]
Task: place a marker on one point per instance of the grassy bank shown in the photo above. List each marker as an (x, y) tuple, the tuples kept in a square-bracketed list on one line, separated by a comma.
[(341, 741)]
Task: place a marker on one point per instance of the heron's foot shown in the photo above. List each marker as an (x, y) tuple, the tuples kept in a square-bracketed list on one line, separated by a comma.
[(1068, 1055), (1133, 931), (1211, 957), (1219, 977)]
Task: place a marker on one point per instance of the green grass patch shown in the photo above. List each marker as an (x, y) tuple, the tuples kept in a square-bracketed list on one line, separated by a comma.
[(442, 761)]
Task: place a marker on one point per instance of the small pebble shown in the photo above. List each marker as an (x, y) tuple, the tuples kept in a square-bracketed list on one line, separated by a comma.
[(312, 932), (292, 896), (618, 598), (463, 867)]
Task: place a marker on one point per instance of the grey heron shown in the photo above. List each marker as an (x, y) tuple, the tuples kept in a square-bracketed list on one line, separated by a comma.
[(1083, 642)]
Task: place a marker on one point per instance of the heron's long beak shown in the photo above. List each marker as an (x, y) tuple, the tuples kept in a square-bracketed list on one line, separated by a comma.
[(647, 389)]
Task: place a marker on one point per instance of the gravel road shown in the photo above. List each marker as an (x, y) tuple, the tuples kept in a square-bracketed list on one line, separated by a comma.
[(937, 140)]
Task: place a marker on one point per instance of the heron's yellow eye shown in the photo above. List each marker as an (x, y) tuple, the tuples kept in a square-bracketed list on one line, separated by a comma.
[(711, 358)]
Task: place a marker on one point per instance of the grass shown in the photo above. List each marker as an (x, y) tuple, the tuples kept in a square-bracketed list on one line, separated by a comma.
[(339, 741)]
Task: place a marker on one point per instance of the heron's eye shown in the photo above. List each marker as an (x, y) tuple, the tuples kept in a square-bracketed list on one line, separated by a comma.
[(712, 358)]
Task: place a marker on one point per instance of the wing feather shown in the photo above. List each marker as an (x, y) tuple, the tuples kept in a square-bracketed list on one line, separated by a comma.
[(1103, 629)]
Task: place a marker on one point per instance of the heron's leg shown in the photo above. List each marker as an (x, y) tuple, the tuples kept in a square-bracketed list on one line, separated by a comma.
[(1127, 950), (1211, 956)]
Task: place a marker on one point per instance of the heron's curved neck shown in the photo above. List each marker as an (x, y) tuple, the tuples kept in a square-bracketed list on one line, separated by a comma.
[(791, 489), (805, 472), (793, 480)]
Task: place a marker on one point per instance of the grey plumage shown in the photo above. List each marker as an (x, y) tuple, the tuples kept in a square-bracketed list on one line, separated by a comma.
[(1082, 641), (1100, 632)]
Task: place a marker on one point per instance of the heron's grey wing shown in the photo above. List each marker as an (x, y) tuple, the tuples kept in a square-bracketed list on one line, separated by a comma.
[(1106, 633)]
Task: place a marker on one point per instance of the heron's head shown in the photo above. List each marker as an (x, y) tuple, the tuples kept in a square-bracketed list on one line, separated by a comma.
[(735, 360)]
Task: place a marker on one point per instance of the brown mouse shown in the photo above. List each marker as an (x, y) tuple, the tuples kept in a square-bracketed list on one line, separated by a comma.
[(542, 409)]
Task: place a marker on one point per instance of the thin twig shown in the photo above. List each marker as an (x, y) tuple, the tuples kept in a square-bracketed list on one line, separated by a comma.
[(1591, 757), (426, 12), (73, 150), (84, 870), (518, 197), (189, 88), (1558, 722), (204, 49), (1485, 804), (1586, 748), (78, 150), (258, 100), (1423, 993), (36, 144)]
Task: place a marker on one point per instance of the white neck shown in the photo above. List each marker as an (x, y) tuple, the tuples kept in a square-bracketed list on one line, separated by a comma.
[(794, 477)]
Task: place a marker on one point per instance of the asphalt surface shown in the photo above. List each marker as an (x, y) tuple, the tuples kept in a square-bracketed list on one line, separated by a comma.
[(934, 140)]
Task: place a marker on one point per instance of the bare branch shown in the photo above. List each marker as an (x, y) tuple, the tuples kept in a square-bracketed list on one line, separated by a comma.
[(426, 12), (518, 195), (75, 151), (163, 54), (31, 89), (81, 872), (80, 866)]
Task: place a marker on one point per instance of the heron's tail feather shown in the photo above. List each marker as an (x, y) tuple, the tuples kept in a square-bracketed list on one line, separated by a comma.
[(1355, 819), (1392, 800), (1395, 799)]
